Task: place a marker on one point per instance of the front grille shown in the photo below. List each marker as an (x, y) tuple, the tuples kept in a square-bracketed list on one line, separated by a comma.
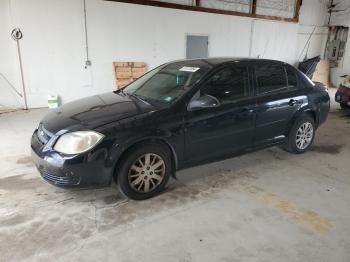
[(43, 135), (60, 180)]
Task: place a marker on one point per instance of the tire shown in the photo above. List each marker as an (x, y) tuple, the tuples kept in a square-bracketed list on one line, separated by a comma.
[(295, 145), (145, 171)]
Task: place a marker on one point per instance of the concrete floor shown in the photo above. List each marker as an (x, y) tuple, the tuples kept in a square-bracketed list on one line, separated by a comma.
[(264, 206)]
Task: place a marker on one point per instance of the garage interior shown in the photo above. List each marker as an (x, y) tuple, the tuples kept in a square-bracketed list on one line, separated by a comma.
[(263, 206)]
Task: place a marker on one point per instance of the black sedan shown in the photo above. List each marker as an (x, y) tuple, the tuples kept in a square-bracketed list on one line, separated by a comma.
[(180, 114)]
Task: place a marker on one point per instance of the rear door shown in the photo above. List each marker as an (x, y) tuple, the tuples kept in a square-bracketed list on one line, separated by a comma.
[(278, 98), (227, 128)]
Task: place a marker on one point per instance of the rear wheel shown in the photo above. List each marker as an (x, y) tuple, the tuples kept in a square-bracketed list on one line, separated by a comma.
[(301, 135), (144, 171)]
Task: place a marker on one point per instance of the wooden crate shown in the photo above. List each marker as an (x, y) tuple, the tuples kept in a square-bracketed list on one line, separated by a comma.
[(126, 72), (120, 64), (136, 75), (123, 69), (138, 64), (138, 69), (123, 82), (123, 75)]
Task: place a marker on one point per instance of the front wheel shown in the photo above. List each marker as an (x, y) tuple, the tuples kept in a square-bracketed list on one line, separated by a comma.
[(301, 135), (144, 171)]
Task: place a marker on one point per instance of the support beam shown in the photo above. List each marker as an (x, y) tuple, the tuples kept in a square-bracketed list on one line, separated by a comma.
[(297, 10), (253, 7), (204, 9)]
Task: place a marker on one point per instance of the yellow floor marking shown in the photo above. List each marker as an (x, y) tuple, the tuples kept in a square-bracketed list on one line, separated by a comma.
[(307, 218)]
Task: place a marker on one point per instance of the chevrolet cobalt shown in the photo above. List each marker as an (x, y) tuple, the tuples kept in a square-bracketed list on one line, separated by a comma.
[(179, 114)]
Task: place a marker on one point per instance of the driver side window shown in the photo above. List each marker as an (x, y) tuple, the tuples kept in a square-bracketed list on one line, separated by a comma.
[(228, 84)]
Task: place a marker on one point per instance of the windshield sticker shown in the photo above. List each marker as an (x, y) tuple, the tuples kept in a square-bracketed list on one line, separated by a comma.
[(189, 69)]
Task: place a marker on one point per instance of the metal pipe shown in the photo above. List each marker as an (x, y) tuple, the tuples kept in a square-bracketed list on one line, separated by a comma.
[(22, 75), (17, 35), (87, 61)]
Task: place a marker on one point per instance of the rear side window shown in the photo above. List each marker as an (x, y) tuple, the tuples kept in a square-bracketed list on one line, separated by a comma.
[(292, 78), (229, 84), (270, 78)]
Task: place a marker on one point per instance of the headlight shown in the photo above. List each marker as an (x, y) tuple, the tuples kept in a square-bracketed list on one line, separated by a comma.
[(77, 142)]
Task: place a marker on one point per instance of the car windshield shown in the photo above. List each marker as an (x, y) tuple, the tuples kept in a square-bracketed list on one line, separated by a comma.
[(167, 83)]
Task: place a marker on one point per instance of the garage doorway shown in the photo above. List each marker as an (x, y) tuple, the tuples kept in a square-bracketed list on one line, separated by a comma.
[(197, 46)]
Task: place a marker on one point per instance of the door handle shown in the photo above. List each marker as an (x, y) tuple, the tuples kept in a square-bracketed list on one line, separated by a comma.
[(292, 102)]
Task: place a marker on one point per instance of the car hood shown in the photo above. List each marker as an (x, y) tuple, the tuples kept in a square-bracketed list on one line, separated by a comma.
[(94, 111)]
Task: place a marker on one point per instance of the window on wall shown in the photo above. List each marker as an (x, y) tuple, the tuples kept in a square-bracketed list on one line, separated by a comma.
[(287, 10), (282, 8), (229, 84), (243, 6), (270, 78)]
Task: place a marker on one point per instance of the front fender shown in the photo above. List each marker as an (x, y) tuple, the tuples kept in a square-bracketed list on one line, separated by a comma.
[(121, 144)]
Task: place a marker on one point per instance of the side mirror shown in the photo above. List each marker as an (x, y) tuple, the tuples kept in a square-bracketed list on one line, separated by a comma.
[(205, 101)]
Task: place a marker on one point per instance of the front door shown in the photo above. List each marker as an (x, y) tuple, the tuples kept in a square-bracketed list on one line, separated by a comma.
[(227, 128)]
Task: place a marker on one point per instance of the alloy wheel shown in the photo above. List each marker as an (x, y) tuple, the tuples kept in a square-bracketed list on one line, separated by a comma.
[(146, 173), (304, 135)]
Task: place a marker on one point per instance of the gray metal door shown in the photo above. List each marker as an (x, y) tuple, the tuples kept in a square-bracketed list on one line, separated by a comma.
[(196, 46)]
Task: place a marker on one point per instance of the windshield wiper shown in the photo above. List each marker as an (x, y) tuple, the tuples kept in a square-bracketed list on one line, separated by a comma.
[(119, 91), (139, 97)]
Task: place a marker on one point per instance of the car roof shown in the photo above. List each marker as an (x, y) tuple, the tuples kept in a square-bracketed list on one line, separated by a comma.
[(215, 61)]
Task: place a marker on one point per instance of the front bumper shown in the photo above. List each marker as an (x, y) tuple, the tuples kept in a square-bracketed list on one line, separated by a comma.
[(84, 170), (54, 173)]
